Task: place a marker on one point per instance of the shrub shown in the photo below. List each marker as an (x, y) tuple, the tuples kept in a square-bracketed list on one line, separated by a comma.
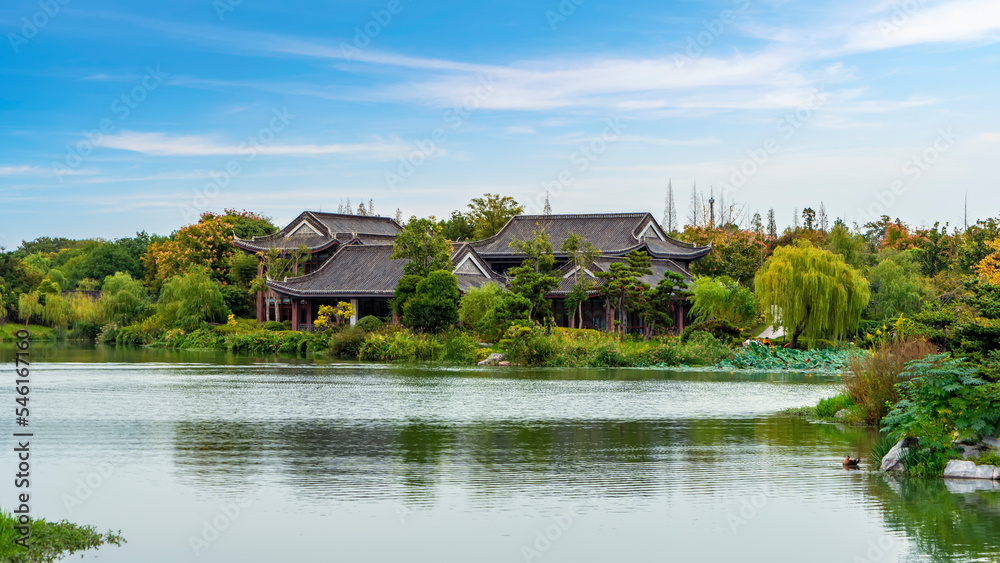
[(347, 343), (369, 323), (943, 401), (237, 300), (108, 333), (509, 308), (131, 336), (991, 457), (721, 329), (434, 305), (477, 302), (832, 405), (276, 325), (871, 383), (85, 330), (723, 299), (50, 541)]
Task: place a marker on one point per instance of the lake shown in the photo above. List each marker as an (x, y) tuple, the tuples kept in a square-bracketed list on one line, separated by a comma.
[(205, 456)]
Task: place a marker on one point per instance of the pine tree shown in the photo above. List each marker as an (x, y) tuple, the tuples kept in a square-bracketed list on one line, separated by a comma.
[(809, 219), (361, 210), (757, 225), (772, 225)]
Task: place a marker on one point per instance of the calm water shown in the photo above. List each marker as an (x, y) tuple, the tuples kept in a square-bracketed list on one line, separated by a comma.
[(209, 457)]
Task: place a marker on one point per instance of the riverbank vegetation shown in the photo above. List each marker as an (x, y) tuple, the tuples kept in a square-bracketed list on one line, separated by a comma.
[(50, 541)]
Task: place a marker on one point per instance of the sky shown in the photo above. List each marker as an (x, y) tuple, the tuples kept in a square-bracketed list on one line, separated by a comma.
[(118, 117)]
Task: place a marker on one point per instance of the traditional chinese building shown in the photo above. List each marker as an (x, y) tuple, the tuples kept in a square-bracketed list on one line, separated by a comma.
[(351, 262)]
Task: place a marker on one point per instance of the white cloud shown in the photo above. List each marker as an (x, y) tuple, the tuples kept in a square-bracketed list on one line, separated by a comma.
[(959, 21), (163, 144), (520, 129)]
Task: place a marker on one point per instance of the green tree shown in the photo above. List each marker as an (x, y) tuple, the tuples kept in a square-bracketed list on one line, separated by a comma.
[(623, 287), (662, 301), (490, 213), (536, 276), (458, 227), (849, 245), (722, 298), (55, 311), (189, 301), (3, 307), (29, 305), (434, 305), (582, 254), (422, 242), (406, 287), (811, 292), (491, 309), (476, 302), (896, 288), (123, 299)]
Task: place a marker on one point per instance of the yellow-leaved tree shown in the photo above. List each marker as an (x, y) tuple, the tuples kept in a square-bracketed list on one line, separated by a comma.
[(989, 267)]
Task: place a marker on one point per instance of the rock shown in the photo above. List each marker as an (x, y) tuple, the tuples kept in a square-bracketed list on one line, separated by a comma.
[(996, 473), (492, 360), (893, 460), (994, 442), (503, 364), (960, 469), (841, 414)]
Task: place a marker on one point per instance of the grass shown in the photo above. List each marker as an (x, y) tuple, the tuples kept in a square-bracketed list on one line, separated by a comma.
[(38, 332), (832, 405), (991, 457), (50, 541), (881, 447)]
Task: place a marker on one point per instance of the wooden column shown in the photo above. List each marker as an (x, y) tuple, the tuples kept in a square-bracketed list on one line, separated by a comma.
[(295, 314), (609, 317), (309, 312)]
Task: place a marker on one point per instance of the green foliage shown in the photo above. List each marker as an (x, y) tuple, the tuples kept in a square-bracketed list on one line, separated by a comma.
[(450, 346), (873, 378), (347, 343), (123, 299), (851, 246), (880, 448), (237, 300), (457, 228), (55, 312), (28, 306), (991, 457), (276, 325), (406, 287), (477, 302), (722, 299), (50, 541), (369, 323), (508, 309), (191, 300), (434, 304), (582, 254), (830, 406), (622, 284), (756, 356), (536, 276), (811, 292), (943, 401), (488, 214), (721, 330), (422, 242), (896, 288)]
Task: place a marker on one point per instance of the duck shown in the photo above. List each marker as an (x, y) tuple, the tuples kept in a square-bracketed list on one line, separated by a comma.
[(851, 462)]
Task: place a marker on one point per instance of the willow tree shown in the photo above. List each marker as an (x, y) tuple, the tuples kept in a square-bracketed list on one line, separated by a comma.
[(812, 292)]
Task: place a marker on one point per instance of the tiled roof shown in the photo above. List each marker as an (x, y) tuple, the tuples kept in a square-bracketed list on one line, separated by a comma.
[(614, 233), (367, 270), (317, 230)]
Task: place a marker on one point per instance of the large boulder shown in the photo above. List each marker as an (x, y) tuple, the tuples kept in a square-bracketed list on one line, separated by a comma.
[(893, 461), (960, 469)]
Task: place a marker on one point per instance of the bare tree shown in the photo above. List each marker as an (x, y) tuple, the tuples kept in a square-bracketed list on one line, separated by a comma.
[(399, 216), (371, 207), (547, 210), (695, 211), (670, 210), (348, 210), (822, 219)]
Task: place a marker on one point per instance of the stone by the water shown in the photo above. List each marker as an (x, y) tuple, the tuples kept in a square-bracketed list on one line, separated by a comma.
[(960, 469)]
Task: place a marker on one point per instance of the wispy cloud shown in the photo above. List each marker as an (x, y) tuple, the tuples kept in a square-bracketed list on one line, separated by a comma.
[(163, 144)]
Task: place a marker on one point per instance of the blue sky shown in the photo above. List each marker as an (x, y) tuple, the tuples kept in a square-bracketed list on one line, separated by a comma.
[(119, 116)]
